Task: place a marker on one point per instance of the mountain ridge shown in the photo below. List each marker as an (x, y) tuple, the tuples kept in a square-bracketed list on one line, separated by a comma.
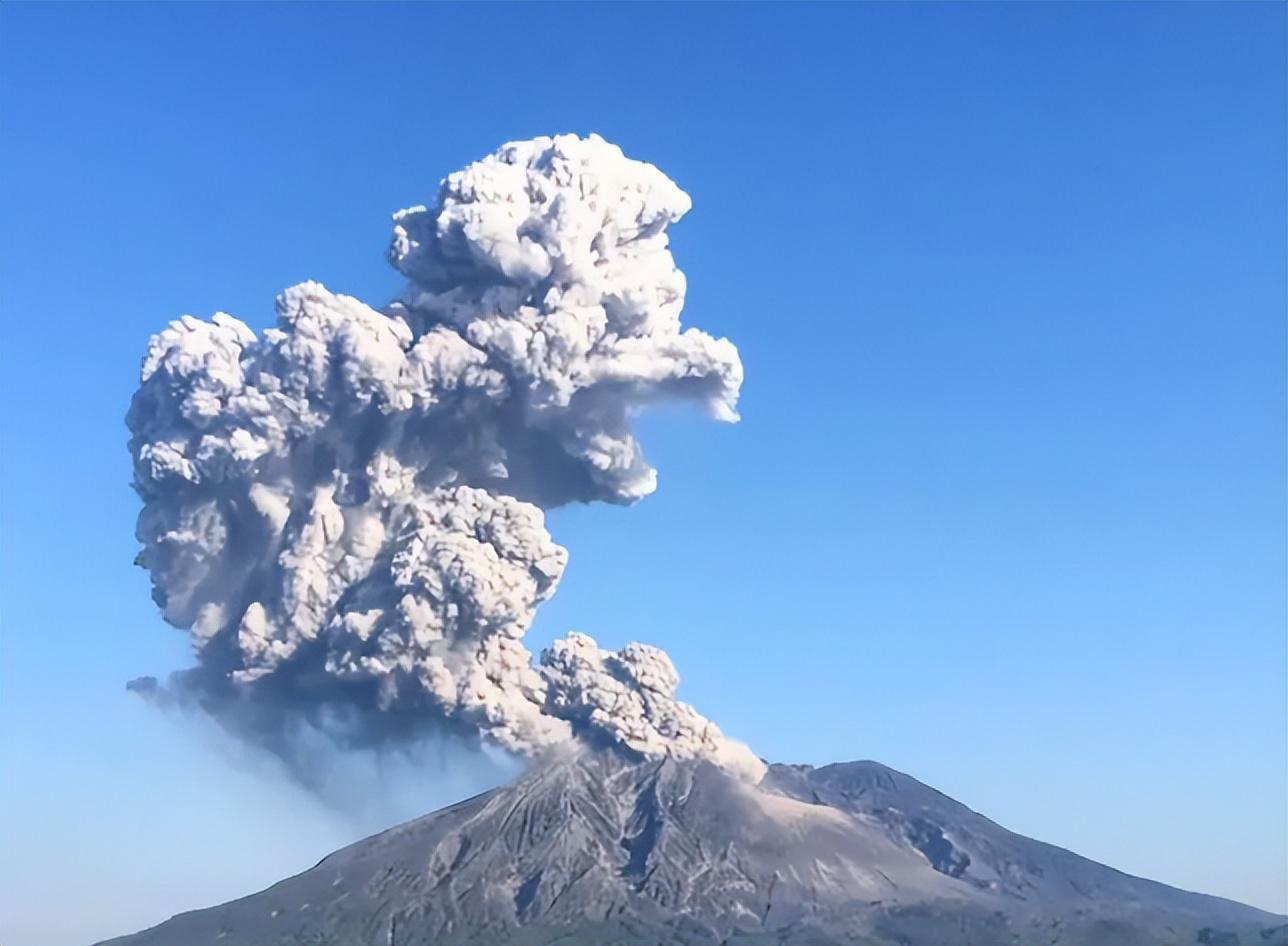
[(601, 848)]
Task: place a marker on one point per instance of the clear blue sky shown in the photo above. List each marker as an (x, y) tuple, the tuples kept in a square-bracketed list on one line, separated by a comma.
[(1007, 507)]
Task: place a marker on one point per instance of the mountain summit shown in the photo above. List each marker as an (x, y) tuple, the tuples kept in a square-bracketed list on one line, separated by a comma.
[(597, 849)]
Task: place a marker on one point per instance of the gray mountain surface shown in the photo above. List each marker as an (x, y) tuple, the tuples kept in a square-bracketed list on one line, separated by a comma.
[(599, 850)]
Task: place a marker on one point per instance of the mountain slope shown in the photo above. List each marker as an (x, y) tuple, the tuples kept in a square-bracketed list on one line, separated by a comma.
[(599, 849)]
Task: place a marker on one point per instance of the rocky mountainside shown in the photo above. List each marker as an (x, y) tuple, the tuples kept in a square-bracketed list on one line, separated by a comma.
[(596, 850)]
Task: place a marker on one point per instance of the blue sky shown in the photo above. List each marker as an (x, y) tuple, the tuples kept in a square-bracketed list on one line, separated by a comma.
[(1006, 509)]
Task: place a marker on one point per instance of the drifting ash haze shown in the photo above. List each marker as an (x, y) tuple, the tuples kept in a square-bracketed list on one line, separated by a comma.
[(345, 511)]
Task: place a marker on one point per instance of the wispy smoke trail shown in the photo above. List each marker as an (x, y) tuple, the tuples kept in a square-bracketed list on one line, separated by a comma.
[(345, 511)]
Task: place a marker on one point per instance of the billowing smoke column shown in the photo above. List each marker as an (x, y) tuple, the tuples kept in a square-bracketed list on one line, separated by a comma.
[(345, 512)]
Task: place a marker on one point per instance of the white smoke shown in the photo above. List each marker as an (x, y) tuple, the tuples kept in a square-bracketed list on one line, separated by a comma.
[(345, 512)]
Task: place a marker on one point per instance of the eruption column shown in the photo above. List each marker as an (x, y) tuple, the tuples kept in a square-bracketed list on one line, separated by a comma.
[(345, 512)]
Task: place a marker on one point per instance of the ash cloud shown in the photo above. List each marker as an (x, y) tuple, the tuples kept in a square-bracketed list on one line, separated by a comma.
[(345, 511)]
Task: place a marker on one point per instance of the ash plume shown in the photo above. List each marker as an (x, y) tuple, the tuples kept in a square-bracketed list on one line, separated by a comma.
[(345, 511)]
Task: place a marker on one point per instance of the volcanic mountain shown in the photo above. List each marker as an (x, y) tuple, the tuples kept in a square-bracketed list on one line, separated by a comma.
[(598, 849)]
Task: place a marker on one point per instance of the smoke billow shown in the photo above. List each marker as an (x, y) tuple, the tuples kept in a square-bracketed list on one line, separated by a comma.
[(345, 511)]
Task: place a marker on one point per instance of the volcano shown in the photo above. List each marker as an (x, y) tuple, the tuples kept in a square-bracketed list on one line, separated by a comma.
[(596, 848)]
